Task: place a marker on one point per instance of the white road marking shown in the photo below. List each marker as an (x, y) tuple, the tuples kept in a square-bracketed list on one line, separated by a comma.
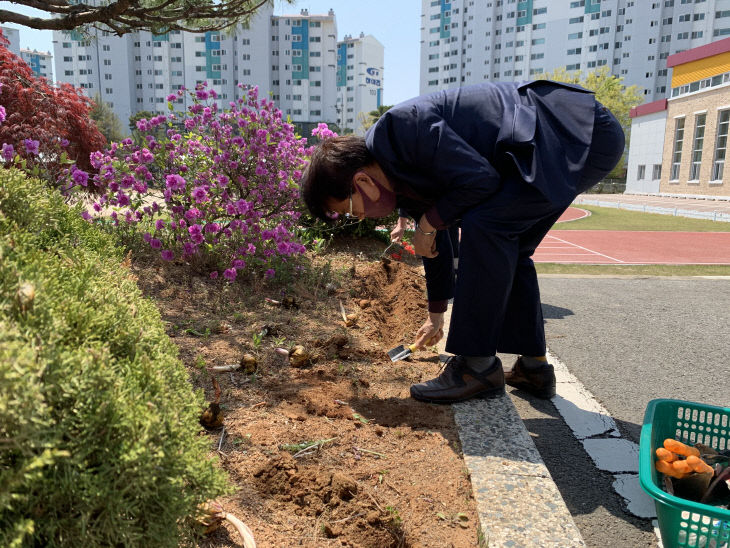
[(592, 424), (589, 250)]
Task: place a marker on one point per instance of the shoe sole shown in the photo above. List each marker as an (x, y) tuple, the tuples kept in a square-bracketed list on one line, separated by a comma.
[(544, 394), (483, 395)]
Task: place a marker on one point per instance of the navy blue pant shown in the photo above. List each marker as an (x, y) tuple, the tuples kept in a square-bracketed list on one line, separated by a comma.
[(497, 300)]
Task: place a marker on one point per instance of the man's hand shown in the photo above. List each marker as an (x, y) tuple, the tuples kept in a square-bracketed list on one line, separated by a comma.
[(432, 331), (396, 235), (424, 239)]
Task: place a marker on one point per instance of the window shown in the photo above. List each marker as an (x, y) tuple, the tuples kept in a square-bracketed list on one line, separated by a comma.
[(656, 173), (677, 153), (699, 137), (718, 164), (641, 173), (575, 35)]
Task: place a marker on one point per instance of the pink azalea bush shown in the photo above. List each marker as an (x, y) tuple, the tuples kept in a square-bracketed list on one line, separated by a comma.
[(221, 189)]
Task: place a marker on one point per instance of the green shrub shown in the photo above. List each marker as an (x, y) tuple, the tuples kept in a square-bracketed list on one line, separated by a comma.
[(99, 441)]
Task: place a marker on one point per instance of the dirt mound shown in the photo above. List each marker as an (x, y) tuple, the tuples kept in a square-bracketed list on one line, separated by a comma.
[(361, 522), (392, 298), (378, 468)]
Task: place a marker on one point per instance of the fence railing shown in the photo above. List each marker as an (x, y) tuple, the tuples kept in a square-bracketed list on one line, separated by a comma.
[(675, 211)]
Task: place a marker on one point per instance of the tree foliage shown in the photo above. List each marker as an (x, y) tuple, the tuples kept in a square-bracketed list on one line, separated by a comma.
[(373, 116), (611, 92), (609, 89), (56, 117), (124, 16), (107, 122)]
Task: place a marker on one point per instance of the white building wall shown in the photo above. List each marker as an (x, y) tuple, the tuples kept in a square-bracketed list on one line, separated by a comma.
[(306, 66), (101, 65), (468, 41), (360, 81), (13, 35), (138, 71), (647, 146)]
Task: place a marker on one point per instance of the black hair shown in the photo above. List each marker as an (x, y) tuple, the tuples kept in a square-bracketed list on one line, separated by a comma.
[(332, 166)]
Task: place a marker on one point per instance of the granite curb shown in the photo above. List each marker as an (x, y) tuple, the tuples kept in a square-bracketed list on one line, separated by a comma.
[(518, 503)]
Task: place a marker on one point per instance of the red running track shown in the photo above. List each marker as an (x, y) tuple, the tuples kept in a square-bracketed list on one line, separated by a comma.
[(634, 247)]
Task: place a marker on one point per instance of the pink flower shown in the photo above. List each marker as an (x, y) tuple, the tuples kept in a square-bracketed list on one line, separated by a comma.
[(8, 152), (269, 273), (167, 255), (80, 177), (193, 213), (230, 274), (31, 146), (213, 275), (175, 182), (200, 194)]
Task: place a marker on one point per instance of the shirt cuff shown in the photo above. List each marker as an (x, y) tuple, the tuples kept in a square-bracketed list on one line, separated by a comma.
[(435, 219), (438, 306)]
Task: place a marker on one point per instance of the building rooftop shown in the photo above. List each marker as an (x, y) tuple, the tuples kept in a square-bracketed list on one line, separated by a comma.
[(695, 54), (648, 108)]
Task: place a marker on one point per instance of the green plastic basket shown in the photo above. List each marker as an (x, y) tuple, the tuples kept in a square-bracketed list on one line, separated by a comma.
[(683, 522)]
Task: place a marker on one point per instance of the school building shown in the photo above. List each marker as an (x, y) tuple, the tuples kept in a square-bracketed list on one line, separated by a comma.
[(679, 145)]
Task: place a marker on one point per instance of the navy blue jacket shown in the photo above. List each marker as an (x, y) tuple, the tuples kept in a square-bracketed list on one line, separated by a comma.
[(448, 151)]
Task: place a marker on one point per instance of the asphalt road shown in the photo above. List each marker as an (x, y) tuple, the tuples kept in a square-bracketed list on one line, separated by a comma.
[(628, 340), (631, 340)]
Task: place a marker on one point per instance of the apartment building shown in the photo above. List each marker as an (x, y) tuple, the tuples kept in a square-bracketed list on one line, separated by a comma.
[(291, 58), (471, 41), (13, 35), (679, 144), (136, 72), (359, 80), (40, 62), (304, 66)]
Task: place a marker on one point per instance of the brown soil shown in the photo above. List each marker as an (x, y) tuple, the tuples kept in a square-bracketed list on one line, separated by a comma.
[(386, 471)]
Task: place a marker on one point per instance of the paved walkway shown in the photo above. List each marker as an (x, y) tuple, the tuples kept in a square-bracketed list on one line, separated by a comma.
[(716, 210)]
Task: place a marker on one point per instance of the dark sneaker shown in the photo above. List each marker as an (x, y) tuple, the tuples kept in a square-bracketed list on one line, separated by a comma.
[(540, 381), (458, 382)]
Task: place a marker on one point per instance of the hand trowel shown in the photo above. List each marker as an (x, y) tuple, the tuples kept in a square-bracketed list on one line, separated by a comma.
[(401, 352)]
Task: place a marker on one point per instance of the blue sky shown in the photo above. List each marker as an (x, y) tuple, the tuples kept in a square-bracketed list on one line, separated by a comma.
[(395, 23)]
